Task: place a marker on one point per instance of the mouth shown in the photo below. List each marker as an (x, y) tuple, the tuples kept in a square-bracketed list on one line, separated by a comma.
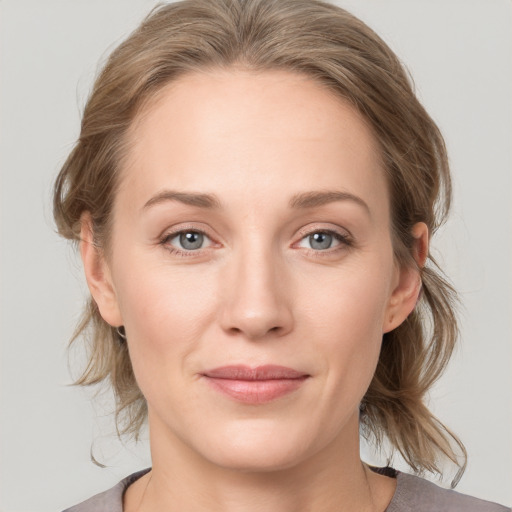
[(255, 385)]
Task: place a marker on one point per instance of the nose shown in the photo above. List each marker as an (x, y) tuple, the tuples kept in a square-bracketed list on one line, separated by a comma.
[(256, 298)]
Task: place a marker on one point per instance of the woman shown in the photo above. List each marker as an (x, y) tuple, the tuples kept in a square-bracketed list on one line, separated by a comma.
[(254, 189)]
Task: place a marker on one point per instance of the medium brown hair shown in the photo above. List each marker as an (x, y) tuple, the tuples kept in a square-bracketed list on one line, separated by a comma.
[(339, 51)]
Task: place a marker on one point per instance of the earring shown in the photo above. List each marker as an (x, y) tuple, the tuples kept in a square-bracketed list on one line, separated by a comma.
[(121, 333)]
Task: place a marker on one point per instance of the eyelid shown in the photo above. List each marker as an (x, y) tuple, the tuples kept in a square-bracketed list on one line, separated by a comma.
[(343, 236), (324, 228), (184, 227), (172, 232), (176, 234)]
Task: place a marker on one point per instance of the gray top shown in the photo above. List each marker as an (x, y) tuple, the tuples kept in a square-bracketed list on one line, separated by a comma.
[(413, 494)]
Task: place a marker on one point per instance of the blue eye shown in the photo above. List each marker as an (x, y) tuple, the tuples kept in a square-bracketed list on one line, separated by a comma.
[(188, 240), (322, 240)]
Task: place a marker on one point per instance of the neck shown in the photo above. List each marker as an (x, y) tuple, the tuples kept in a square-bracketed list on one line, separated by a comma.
[(332, 480)]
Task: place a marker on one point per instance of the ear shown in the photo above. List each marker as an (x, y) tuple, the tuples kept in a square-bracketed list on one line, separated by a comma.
[(97, 274), (408, 282)]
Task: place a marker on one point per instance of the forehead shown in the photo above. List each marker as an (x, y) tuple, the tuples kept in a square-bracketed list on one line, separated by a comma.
[(245, 131)]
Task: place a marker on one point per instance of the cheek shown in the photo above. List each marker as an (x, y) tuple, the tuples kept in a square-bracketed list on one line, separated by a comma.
[(159, 296), (347, 320), (351, 302), (166, 311)]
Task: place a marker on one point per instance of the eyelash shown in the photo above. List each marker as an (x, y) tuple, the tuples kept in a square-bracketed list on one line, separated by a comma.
[(182, 253), (345, 241)]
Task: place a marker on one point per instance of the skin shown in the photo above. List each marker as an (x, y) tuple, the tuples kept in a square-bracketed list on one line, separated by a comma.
[(258, 291)]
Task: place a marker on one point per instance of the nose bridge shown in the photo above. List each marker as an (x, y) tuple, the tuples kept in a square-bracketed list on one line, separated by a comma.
[(257, 301)]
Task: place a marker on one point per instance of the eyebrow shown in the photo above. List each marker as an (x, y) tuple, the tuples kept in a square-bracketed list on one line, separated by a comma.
[(316, 199), (300, 201), (208, 201)]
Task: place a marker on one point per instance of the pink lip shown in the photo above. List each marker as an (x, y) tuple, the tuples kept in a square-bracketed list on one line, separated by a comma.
[(255, 385)]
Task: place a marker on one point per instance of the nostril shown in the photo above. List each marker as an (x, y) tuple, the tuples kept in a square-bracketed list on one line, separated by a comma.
[(255, 332)]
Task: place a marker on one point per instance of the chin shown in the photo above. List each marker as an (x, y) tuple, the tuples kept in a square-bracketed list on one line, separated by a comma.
[(257, 449), (255, 460)]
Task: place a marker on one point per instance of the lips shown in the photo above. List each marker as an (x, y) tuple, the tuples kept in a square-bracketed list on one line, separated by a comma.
[(255, 385)]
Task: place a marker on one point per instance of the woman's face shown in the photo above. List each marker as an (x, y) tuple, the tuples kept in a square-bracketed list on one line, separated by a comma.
[(252, 267)]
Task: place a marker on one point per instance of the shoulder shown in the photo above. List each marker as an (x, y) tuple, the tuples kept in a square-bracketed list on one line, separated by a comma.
[(108, 501), (414, 494)]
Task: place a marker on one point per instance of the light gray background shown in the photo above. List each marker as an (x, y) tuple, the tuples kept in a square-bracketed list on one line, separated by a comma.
[(459, 52)]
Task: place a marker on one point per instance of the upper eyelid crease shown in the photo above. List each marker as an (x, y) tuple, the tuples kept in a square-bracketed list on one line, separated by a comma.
[(304, 232), (173, 234), (343, 238), (166, 239), (328, 228)]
